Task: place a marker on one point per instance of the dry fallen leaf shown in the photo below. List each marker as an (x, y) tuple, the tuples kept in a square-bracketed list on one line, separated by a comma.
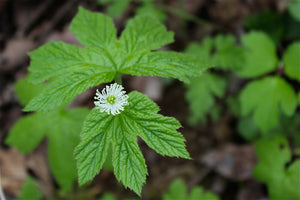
[(12, 170)]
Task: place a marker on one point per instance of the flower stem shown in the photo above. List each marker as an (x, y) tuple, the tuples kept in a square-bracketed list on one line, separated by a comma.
[(118, 79)]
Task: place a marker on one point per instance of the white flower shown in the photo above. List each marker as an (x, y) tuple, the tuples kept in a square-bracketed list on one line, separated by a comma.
[(112, 99)]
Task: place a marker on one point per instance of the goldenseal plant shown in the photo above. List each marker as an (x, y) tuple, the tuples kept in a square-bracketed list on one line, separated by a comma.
[(118, 118)]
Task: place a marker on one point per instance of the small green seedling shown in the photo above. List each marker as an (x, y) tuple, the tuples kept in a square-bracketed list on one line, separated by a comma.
[(178, 191)]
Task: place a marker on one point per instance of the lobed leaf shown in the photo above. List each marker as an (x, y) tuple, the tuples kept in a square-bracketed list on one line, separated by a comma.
[(145, 33), (200, 95), (202, 50), (26, 133), (157, 131), (94, 29), (139, 118), (264, 97), (260, 55), (282, 181), (228, 54)]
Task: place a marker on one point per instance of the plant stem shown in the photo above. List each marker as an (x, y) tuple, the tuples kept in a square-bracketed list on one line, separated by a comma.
[(118, 79)]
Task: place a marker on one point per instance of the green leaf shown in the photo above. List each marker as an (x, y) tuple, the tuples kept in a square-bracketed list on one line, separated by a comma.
[(260, 55), (221, 52), (118, 8), (139, 118), (94, 29), (26, 133), (57, 59), (228, 54), (63, 137), (294, 7), (198, 193), (128, 161), (165, 64), (299, 98), (115, 8), (200, 95), (61, 128), (70, 70), (157, 131), (291, 60), (144, 33), (64, 90), (178, 191), (264, 98), (248, 129), (283, 182), (107, 165), (202, 50), (148, 8), (26, 90), (30, 190), (92, 150)]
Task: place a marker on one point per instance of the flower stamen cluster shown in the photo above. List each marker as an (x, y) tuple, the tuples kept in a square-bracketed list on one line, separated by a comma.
[(112, 99)]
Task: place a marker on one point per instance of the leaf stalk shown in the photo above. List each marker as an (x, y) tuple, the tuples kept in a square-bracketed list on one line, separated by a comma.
[(118, 79)]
